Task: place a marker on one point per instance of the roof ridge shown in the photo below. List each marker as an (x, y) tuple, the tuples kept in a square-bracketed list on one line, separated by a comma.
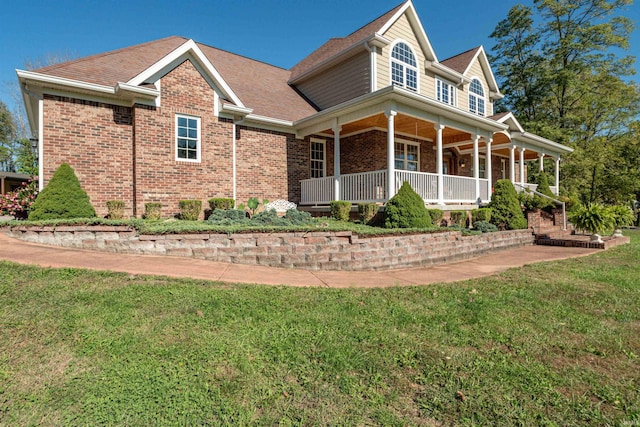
[(104, 54), (376, 18)]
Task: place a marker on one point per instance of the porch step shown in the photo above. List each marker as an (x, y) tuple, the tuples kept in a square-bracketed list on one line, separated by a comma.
[(570, 241)]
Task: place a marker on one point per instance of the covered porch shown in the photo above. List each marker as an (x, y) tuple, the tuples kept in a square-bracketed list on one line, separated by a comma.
[(366, 149)]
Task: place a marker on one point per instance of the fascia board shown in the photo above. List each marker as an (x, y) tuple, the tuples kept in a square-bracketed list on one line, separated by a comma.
[(510, 117), (61, 81), (543, 142), (415, 20), (440, 69), (189, 46), (234, 110)]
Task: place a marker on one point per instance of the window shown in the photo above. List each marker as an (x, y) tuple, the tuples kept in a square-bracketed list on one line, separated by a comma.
[(318, 156), (446, 92), (188, 138), (476, 98), (407, 156), (482, 169), (503, 168), (404, 71)]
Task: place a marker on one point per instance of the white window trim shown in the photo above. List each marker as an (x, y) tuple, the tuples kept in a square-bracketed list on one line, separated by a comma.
[(482, 163), (406, 142), (453, 95), (324, 155), (484, 97), (405, 65), (198, 158)]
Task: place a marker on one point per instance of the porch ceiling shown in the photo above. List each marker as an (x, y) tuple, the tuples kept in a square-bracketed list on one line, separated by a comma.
[(405, 125)]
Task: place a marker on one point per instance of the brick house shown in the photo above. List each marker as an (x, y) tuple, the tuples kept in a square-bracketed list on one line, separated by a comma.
[(175, 119)]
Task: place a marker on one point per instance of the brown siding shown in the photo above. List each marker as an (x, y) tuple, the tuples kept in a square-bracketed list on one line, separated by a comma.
[(95, 139), (340, 83)]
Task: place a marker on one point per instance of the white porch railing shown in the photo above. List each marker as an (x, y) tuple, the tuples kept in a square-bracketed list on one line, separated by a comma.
[(520, 188), (371, 187)]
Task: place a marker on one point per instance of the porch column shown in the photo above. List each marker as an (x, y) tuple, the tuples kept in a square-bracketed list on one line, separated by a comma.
[(489, 167), (512, 164), (557, 175), (522, 150), (391, 150), (336, 160), (439, 128), (541, 161), (476, 164)]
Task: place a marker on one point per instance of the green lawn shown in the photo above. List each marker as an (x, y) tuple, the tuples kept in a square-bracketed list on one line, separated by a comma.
[(551, 344)]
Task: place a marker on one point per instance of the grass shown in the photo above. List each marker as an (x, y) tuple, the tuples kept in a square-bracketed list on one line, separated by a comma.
[(548, 344)]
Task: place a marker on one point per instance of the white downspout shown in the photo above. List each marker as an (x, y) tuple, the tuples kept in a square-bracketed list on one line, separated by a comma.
[(372, 63)]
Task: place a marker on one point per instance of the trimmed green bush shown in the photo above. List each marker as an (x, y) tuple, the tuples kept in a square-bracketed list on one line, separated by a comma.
[(436, 216), (406, 210), (542, 179), (115, 209), (62, 198), (480, 214), (367, 211), (458, 218), (485, 227), (221, 203), (153, 211), (190, 209), (594, 218), (269, 217), (506, 213), (340, 210)]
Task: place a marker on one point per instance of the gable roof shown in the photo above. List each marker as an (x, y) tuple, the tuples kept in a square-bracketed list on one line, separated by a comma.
[(259, 86), (338, 45), (462, 62)]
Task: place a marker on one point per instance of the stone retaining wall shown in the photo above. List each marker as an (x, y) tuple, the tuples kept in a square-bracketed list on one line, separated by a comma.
[(308, 250)]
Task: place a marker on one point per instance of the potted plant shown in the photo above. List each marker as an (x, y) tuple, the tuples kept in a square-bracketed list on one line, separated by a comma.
[(594, 218), (622, 217)]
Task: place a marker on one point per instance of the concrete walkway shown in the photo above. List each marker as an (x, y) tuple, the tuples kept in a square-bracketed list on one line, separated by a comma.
[(52, 256)]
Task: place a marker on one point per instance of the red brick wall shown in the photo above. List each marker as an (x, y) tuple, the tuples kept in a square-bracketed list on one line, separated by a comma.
[(95, 139), (159, 176)]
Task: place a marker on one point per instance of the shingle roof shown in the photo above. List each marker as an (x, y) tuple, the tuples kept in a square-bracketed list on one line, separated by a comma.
[(259, 86), (336, 45), (498, 116), (460, 62)]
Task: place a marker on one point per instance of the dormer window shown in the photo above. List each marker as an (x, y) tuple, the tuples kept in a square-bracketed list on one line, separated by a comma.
[(446, 92), (476, 98), (404, 70)]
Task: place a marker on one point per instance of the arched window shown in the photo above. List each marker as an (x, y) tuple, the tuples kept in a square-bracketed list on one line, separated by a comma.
[(476, 98), (404, 69)]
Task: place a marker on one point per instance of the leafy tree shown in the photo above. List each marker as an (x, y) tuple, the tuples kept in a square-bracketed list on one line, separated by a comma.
[(62, 198), (7, 134), (558, 63)]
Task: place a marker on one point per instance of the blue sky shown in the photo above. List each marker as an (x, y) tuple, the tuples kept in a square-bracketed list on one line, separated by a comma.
[(279, 32)]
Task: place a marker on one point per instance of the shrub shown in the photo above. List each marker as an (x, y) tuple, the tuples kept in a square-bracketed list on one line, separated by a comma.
[(228, 217), (367, 212), (542, 179), (481, 214), (253, 203), (18, 203), (269, 217), (406, 210), (458, 218), (296, 217), (115, 209), (152, 210), (340, 210), (62, 198), (594, 218), (506, 213), (436, 215), (485, 227), (221, 203), (190, 209)]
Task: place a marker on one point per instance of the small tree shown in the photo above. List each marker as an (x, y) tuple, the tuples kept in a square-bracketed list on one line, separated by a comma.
[(62, 198), (406, 210), (506, 213)]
